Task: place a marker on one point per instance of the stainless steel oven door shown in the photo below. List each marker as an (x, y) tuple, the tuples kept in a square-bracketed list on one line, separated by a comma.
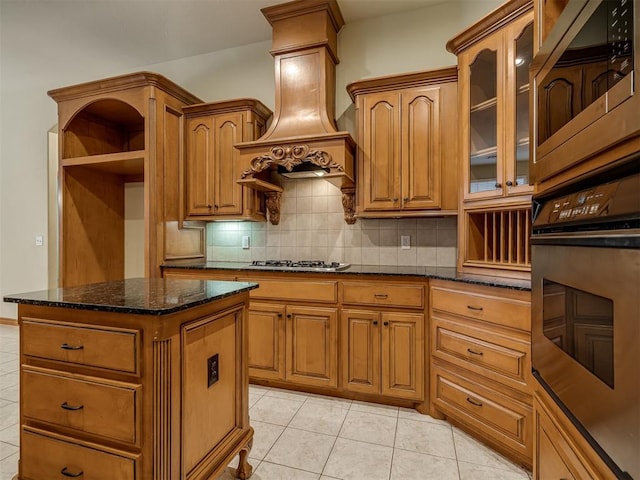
[(586, 339)]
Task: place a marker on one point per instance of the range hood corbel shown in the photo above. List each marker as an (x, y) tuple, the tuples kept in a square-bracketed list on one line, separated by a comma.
[(303, 134)]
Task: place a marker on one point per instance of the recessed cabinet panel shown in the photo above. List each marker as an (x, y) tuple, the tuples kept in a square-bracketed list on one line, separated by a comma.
[(421, 146), (199, 169), (402, 355), (360, 331), (266, 341), (381, 165), (312, 341), (227, 194)]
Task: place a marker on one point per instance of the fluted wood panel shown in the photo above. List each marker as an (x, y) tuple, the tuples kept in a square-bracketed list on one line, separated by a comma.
[(162, 410)]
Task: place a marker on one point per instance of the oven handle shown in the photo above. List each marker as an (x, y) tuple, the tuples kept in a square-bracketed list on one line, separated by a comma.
[(592, 239)]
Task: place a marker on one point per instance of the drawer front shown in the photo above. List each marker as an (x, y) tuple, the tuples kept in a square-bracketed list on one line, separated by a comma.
[(500, 358), (295, 290), (46, 458), (496, 416), (113, 349), (404, 296), (501, 311), (85, 404)]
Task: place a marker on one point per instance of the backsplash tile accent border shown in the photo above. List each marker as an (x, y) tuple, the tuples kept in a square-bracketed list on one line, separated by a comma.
[(312, 227)]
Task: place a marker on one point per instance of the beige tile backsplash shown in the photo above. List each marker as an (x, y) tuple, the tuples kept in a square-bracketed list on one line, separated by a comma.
[(312, 226)]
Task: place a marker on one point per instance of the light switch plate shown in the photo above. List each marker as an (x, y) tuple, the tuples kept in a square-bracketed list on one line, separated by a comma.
[(245, 241), (405, 242)]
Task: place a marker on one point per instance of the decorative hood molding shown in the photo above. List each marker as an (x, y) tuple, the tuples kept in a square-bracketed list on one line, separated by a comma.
[(303, 133)]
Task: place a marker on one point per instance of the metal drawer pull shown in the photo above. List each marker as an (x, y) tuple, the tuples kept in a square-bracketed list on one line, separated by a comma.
[(67, 473), (66, 406), (473, 352), (472, 307), (474, 402), (381, 296), (66, 346)]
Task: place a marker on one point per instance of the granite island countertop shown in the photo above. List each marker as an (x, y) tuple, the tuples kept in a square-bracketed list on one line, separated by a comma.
[(440, 273), (141, 296)]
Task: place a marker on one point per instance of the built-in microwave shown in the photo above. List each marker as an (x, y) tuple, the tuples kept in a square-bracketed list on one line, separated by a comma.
[(585, 84)]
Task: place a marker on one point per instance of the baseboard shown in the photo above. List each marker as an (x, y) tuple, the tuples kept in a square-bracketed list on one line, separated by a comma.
[(8, 321)]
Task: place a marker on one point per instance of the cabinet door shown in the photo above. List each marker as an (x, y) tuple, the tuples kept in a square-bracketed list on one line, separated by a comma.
[(266, 341), (312, 346), (380, 155), (360, 336), (227, 193), (200, 174), (420, 148), (403, 355), (482, 112), (519, 38)]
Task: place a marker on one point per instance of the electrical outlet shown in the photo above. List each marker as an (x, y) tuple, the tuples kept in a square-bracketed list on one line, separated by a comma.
[(39, 240), (245, 241), (213, 370), (405, 242)]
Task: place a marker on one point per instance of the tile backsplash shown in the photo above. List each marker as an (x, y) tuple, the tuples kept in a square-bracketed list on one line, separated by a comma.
[(312, 227)]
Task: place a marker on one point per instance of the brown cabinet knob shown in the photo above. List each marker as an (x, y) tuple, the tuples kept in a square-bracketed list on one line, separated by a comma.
[(405, 199), (375, 322), (498, 185), (386, 324), (509, 183)]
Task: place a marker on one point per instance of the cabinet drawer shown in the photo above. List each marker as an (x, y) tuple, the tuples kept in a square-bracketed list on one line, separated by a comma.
[(45, 458), (501, 311), (485, 352), (114, 349), (86, 404), (296, 290), (493, 415), (407, 296)]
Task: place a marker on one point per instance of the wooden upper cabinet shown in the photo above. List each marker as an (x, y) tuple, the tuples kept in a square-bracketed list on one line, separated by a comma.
[(113, 133), (212, 165), (406, 158), (494, 110)]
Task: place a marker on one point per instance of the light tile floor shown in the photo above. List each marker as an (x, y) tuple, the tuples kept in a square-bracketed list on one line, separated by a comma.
[(300, 436)]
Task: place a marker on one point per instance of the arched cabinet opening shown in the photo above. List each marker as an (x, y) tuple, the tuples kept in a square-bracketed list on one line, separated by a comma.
[(104, 127)]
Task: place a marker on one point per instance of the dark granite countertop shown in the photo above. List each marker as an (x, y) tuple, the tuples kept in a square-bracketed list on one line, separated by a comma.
[(440, 273), (141, 296)]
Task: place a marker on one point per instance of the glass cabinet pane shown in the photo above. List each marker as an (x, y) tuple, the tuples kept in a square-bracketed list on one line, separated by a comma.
[(483, 122), (524, 54)]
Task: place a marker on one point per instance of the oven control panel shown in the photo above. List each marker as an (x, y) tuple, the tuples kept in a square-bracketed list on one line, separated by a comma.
[(602, 203)]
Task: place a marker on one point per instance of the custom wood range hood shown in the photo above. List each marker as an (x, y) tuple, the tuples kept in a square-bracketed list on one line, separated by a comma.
[(303, 139)]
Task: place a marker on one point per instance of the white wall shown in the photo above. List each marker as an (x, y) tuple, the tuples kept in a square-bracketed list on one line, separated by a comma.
[(393, 44)]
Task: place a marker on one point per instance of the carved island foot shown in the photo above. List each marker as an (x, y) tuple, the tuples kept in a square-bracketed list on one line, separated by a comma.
[(244, 470)]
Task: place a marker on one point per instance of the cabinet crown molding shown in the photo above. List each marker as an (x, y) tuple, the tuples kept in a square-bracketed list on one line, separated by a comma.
[(488, 24), (138, 79), (405, 80)]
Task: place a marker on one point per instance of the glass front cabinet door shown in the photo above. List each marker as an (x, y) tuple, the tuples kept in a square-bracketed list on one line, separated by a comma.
[(494, 77)]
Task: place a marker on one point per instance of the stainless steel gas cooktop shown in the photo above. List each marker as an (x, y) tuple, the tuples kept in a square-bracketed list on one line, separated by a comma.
[(298, 265)]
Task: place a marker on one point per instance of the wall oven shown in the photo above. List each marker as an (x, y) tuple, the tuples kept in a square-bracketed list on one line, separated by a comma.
[(586, 310)]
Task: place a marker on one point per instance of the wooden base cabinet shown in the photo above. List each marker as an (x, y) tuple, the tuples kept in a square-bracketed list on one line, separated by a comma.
[(119, 396), (382, 349), (560, 451), (383, 353), (481, 363), (294, 342)]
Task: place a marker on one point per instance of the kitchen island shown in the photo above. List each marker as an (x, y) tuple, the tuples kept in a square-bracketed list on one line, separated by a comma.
[(134, 379)]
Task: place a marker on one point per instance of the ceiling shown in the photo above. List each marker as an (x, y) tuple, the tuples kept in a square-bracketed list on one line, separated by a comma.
[(144, 32)]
